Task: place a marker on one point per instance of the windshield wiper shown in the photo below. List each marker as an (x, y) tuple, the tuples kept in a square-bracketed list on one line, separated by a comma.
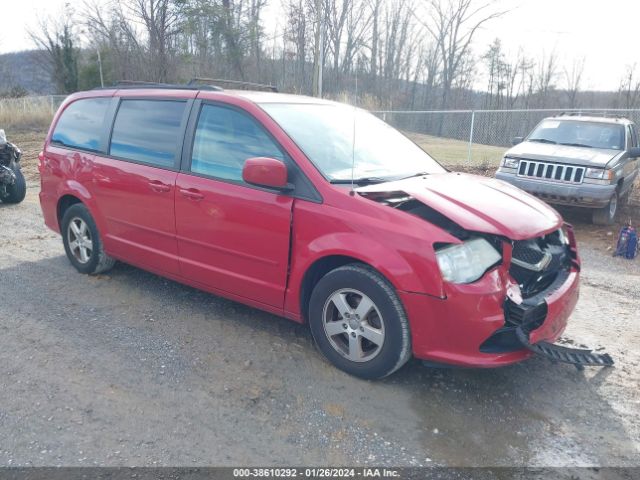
[(419, 174), (576, 145), (542, 140), (361, 181)]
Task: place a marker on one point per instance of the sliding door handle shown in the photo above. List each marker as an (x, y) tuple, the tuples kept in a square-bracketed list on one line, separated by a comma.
[(158, 186)]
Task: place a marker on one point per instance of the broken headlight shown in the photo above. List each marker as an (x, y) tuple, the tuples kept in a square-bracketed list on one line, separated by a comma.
[(468, 261)]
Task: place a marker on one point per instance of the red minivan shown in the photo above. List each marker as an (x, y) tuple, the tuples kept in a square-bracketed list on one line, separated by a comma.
[(313, 210)]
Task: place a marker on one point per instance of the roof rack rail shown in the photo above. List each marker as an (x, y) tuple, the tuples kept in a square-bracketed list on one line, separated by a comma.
[(125, 84), (592, 114), (233, 83)]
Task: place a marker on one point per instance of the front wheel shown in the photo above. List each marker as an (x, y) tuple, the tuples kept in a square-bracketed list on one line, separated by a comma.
[(358, 322), (17, 191), (82, 241), (606, 215)]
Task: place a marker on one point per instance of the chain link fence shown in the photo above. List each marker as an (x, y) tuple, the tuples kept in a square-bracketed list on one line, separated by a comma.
[(476, 137), (32, 104), (28, 112)]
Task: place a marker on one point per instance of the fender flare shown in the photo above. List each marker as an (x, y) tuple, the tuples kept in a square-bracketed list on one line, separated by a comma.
[(76, 189)]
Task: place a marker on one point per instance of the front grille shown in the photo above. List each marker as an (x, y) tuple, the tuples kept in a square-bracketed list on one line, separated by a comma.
[(551, 171), (526, 253), (536, 262)]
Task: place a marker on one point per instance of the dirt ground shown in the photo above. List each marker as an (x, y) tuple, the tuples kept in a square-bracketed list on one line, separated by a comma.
[(132, 369)]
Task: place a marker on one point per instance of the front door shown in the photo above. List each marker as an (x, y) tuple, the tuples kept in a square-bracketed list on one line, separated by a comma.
[(232, 237)]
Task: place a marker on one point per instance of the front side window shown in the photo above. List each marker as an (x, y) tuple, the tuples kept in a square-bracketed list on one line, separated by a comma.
[(81, 124), (225, 138), (632, 136), (343, 141), (148, 131), (579, 134)]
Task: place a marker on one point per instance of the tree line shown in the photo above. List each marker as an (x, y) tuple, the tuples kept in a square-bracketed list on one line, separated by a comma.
[(395, 54)]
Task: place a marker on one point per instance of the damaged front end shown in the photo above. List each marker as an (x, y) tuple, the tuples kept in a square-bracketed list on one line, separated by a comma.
[(539, 290), (537, 267)]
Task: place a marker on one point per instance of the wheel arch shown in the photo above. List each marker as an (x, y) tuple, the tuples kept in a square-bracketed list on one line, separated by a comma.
[(318, 269), (64, 202)]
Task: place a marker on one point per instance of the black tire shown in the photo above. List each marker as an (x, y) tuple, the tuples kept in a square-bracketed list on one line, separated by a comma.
[(387, 316), (625, 199), (606, 215), (17, 191), (95, 262)]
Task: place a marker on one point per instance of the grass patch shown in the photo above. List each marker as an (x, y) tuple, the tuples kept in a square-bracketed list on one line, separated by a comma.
[(25, 114), (455, 153)]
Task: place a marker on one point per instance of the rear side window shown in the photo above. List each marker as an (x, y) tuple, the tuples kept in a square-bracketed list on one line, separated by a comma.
[(224, 139), (148, 131), (80, 125)]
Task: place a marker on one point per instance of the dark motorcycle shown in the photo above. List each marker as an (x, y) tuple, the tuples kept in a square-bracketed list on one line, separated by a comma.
[(13, 186)]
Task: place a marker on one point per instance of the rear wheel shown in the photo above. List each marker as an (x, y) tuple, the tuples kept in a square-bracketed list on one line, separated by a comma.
[(17, 191), (82, 241), (358, 322), (606, 215)]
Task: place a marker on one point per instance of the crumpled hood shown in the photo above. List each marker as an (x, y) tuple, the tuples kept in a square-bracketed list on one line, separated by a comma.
[(478, 204), (588, 157)]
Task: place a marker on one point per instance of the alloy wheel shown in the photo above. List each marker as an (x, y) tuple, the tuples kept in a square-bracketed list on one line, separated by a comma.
[(353, 324), (79, 238), (613, 206)]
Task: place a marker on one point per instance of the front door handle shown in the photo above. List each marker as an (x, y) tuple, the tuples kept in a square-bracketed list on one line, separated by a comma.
[(192, 193), (158, 186)]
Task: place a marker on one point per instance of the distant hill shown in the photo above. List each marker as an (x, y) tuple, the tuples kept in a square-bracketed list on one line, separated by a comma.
[(25, 69)]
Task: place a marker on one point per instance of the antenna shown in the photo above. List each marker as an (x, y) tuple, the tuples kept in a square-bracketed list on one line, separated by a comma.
[(353, 143)]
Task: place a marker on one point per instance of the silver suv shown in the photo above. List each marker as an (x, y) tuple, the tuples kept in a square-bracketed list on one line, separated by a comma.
[(576, 160)]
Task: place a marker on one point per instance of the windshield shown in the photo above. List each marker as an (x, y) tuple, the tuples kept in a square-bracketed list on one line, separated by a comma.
[(325, 133), (579, 134)]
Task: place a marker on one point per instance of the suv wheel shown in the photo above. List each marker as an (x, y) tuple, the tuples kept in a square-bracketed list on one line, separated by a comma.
[(82, 241), (358, 322), (17, 191), (606, 215)]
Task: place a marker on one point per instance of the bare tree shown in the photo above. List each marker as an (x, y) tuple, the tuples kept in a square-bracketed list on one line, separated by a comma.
[(546, 73), (629, 91), (573, 79), (453, 25)]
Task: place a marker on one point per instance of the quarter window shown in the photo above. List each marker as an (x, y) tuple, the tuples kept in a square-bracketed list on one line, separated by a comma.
[(80, 125), (224, 139), (148, 131)]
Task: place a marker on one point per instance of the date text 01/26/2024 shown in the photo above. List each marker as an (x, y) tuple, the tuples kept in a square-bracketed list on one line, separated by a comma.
[(315, 473)]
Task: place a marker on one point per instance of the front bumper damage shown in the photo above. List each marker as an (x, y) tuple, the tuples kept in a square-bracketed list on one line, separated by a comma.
[(484, 324), (557, 353)]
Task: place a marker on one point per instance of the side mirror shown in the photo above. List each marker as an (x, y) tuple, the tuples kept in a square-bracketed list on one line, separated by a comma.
[(634, 152), (266, 172), (516, 140)]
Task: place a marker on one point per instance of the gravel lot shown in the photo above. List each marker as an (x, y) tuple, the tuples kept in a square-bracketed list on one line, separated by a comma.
[(132, 369)]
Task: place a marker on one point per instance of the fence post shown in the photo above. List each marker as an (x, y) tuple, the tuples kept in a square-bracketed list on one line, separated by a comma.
[(473, 121)]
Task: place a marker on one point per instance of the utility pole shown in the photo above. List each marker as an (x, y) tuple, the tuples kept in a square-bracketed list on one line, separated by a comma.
[(100, 68), (316, 85)]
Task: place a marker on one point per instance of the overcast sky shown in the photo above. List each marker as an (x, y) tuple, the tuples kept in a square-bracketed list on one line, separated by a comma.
[(604, 32)]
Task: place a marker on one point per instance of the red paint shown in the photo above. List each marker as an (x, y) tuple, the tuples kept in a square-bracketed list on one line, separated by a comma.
[(255, 245)]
